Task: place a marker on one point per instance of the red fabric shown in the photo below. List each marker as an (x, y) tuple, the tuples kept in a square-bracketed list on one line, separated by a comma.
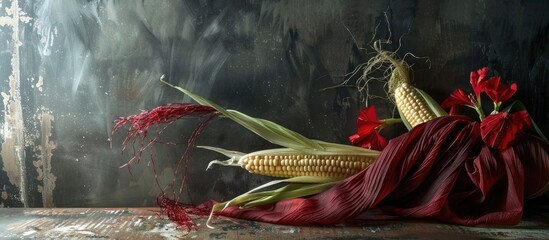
[(441, 170)]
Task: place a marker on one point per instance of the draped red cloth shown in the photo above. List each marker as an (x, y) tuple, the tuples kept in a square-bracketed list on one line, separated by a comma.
[(439, 170)]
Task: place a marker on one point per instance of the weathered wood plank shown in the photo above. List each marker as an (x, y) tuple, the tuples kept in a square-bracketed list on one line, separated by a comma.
[(141, 223)]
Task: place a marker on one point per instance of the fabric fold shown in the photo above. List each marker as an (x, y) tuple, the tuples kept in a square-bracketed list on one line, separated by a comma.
[(440, 170)]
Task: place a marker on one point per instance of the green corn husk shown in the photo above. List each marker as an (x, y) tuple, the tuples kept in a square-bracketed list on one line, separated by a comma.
[(433, 104), (273, 132), (270, 131), (279, 135), (298, 187)]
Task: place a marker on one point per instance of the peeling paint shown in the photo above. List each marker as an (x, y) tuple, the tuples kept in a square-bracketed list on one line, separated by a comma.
[(46, 148), (15, 10), (43, 158), (40, 83), (13, 145), (5, 98)]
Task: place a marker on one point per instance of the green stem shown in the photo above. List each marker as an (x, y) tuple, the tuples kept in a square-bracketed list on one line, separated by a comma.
[(496, 107), (481, 115), (478, 108), (390, 121)]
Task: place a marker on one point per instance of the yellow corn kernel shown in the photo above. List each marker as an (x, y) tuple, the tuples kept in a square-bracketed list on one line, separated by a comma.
[(306, 165), (412, 105)]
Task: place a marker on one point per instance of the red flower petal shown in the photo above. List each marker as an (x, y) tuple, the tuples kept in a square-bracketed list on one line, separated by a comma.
[(367, 136), (497, 91), (507, 91), (477, 79), (457, 98), (454, 111), (370, 141), (367, 120), (499, 130)]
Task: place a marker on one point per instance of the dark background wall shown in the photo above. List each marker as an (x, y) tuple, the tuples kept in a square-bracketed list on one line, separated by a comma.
[(69, 68)]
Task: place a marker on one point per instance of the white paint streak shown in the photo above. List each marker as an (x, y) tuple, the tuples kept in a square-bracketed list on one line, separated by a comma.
[(28, 233), (13, 145), (123, 224), (137, 223), (40, 83), (24, 225), (73, 229), (168, 231), (5, 99), (46, 153)]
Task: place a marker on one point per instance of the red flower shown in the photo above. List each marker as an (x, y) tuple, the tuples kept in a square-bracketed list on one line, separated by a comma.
[(499, 130), (367, 135), (458, 97), (370, 141), (499, 92), (477, 80)]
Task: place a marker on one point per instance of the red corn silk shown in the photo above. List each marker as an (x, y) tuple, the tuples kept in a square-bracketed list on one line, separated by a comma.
[(140, 123), (138, 133), (176, 212), (367, 135), (179, 213), (440, 170), (169, 113), (500, 130)]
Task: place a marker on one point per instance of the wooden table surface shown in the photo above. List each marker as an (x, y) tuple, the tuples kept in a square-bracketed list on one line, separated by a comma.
[(145, 223)]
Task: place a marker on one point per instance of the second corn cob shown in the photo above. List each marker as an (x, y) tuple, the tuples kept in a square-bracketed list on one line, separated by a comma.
[(290, 163), (415, 106), (287, 162), (412, 105)]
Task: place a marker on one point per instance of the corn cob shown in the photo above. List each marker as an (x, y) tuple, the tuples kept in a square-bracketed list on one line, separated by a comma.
[(287, 162), (290, 163), (415, 106), (412, 105)]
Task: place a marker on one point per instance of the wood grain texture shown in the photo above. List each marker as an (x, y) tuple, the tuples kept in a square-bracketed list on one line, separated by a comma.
[(141, 223)]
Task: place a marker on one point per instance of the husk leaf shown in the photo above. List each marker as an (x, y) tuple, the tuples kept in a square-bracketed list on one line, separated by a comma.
[(268, 130), (298, 187), (433, 105)]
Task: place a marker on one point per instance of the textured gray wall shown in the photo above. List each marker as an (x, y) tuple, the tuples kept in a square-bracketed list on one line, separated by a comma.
[(69, 68)]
